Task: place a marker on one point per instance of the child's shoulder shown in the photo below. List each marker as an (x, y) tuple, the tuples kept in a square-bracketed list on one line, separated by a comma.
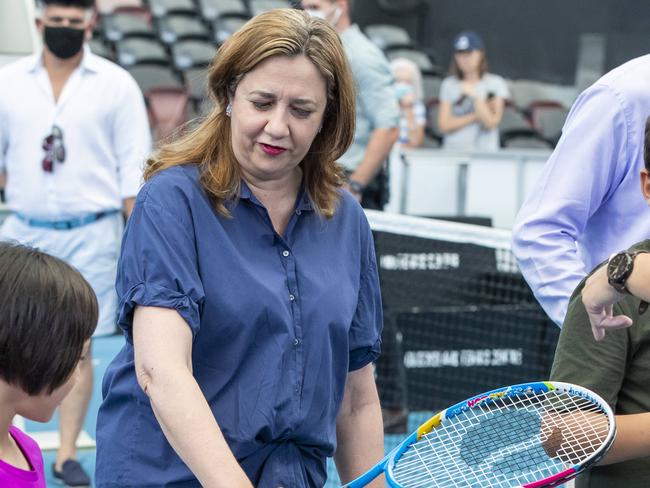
[(30, 449)]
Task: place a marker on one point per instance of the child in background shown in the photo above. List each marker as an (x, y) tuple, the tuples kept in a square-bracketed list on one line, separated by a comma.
[(47, 314), (408, 87)]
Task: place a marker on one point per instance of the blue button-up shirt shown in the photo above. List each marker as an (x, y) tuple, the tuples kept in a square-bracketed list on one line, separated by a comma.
[(277, 324), (587, 203)]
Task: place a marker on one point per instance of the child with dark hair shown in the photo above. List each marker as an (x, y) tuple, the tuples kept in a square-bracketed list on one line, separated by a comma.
[(48, 313)]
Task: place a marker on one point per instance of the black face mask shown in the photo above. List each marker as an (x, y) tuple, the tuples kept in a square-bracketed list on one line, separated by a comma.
[(63, 42)]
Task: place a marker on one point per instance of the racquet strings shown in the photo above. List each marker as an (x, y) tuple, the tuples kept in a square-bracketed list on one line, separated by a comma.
[(506, 442)]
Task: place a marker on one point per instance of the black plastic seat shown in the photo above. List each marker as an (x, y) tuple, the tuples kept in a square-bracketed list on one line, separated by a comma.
[(224, 27), (162, 8), (121, 25), (386, 36), (173, 28), (211, 10), (259, 6), (148, 76), (192, 53), (136, 51)]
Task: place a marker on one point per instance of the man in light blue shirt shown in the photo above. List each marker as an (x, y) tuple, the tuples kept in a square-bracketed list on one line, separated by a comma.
[(377, 107), (587, 203)]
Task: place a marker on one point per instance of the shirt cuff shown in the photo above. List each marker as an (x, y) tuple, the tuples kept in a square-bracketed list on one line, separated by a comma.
[(364, 355)]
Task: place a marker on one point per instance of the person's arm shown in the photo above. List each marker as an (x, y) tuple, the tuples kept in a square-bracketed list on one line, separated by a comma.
[(131, 142), (448, 122), (377, 99), (489, 112), (599, 296), (162, 343), (379, 147), (584, 170), (359, 430), (127, 207), (632, 439)]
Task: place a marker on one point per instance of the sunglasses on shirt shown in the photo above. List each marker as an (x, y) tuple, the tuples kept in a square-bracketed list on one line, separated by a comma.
[(54, 149)]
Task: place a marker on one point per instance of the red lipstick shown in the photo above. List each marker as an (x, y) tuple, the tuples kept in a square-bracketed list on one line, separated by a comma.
[(272, 150)]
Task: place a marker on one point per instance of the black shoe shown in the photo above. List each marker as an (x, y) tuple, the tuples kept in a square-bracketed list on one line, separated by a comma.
[(71, 474), (395, 420)]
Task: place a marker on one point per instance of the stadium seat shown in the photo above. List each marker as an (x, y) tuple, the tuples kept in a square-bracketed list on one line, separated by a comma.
[(173, 28), (548, 118), (196, 80), (259, 6), (211, 10), (192, 53), (386, 36), (418, 57), (167, 108), (100, 49), (149, 76), (226, 26), (431, 131), (136, 51), (524, 139), (431, 86), (109, 6), (513, 119), (161, 8), (131, 23)]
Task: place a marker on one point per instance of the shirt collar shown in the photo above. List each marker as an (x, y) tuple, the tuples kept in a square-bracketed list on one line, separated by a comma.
[(303, 203), (88, 61)]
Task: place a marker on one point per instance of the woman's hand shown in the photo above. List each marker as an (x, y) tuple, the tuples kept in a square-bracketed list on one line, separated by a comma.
[(468, 89), (599, 297), (407, 101)]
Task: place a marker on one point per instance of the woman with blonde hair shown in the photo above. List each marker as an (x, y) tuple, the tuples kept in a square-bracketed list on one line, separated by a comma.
[(408, 88), (248, 285)]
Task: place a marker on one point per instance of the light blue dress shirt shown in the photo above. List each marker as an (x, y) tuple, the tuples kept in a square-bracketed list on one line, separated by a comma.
[(588, 203), (377, 106)]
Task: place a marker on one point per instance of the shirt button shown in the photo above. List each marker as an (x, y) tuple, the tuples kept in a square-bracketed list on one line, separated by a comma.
[(285, 254), (292, 298), (296, 342), (298, 212)]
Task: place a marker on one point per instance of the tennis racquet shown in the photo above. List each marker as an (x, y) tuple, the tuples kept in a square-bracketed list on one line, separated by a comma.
[(528, 435)]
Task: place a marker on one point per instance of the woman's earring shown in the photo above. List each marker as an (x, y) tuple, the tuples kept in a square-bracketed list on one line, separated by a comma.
[(320, 128), (229, 109)]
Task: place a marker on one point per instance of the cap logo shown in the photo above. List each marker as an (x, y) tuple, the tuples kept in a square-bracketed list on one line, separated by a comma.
[(463, 43)]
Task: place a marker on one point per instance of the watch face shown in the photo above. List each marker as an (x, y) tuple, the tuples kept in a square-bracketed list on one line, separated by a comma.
[(619, 267)]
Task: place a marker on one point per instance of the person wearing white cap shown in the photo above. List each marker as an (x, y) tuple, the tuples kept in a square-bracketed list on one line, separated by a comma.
[(471, 99)]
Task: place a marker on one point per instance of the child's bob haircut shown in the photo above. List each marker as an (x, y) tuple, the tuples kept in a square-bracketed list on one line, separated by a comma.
[(47, 312)]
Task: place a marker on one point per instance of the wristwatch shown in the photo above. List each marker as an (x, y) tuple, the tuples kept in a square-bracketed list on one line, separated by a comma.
[(619, 269), (356, 187)]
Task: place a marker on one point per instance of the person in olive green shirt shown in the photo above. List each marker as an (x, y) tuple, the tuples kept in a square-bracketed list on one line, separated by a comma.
[(617, 368), (616, 365)]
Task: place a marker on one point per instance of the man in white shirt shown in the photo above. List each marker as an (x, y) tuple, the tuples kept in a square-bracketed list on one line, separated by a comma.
[(73, 138)]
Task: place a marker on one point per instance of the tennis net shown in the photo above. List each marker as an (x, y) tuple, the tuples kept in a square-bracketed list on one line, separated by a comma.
[(459, 319)]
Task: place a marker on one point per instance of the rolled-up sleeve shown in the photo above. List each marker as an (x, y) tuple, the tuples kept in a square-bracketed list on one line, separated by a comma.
[(365, 333), (131, 138), (158, 265)]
